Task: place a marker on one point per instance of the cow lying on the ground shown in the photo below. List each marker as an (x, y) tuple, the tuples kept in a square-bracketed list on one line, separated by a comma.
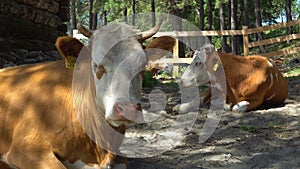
[(39, 127), (251, 81), (157, 68)]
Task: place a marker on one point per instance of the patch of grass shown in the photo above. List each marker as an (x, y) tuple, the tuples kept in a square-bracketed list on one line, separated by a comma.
[(249, 128), (276, 123), (149, 80), (165, 75), (292, 72), (171, 84)]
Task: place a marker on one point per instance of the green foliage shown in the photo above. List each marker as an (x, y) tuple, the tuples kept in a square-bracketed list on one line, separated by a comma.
[(97, 4), (276, 122), (149, 80), (249, 128), (115, 8), (165, 75), (293, 72), (172, 84), (271, 11)]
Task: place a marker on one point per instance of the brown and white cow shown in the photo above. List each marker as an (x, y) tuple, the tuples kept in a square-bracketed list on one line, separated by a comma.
[(157, 68), (39, 127), (251, 81)]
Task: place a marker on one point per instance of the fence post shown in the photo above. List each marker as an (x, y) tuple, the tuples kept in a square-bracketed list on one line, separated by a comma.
[(176, 56), (245, 40)]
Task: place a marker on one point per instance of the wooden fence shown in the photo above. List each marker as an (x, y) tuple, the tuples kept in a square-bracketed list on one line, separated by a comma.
[(245, 32)]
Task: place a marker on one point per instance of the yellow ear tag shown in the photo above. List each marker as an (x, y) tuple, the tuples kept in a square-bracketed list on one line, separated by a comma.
[(215, 68), (70, 62)]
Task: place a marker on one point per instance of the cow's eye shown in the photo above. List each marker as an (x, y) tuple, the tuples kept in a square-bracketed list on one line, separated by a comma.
[(100, 71), (94, 66), (198, 63)]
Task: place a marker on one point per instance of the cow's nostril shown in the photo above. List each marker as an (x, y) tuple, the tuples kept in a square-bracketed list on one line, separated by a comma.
[(127, 111), (138, 106), (119, 107)]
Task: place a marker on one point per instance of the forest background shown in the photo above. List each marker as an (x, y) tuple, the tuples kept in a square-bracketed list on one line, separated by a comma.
[(206, 14)]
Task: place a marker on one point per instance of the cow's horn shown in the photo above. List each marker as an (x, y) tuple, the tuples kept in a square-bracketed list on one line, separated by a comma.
[(148, 34), (86, 32)]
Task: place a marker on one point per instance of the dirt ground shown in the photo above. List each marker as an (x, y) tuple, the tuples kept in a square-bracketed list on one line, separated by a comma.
[(265, 138)]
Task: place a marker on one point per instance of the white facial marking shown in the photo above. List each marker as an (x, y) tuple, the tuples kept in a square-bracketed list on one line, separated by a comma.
[(276, 77), (117, 60)]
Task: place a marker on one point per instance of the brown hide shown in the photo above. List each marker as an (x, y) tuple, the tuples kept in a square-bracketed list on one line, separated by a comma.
[(252, 78), (165, 43), (38, 125)]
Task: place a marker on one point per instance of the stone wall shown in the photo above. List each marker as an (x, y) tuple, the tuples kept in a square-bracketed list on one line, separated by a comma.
[(22, 56), (30, 25)]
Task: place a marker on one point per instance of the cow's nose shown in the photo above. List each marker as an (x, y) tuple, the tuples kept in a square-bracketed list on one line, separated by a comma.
[(125, 111)]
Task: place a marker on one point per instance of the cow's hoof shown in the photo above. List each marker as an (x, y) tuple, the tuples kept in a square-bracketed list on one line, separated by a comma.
[(241, 106), (176, 108), (228, 107)]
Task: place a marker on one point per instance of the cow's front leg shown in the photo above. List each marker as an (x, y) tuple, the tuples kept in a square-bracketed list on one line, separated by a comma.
[(111, 161), (247, 104), (33, 158), (108, 160), (241, 106)]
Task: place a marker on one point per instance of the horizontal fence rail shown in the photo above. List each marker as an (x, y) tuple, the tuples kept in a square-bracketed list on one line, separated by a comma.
[(245, 32)]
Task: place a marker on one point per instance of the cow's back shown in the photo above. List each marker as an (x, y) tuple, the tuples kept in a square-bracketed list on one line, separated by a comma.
[(27, 96), (253, 78)]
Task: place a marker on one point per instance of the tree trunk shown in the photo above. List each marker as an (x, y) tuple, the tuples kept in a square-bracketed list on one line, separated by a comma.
[(153, 12), (289, 30), (73, 14), (229, 15), (91, 14), (125, 14), (209, 17), (133, 12), (246, 13), (222, 26), (95, 21), (228, 25), (104, 18), (201, 14), (258, 23), (177, 24), (234, 44)]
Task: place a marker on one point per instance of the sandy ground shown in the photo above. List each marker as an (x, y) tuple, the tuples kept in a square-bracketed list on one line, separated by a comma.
[(265, 138)]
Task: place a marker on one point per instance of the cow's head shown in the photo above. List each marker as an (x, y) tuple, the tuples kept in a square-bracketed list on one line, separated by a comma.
[(117, 65), (201, 71)]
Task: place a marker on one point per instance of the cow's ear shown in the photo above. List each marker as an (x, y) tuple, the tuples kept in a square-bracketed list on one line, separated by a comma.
[(68, 46), (160, 47)]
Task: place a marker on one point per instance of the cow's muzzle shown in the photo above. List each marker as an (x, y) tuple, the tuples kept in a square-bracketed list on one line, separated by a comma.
[(127, 112)]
